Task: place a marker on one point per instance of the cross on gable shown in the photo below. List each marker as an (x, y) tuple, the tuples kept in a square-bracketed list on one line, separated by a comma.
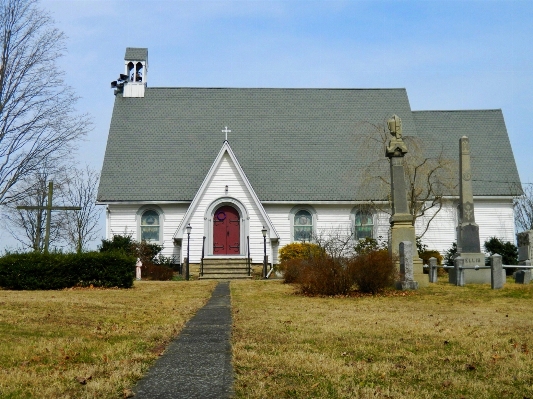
[(49, 208), (226, 130)]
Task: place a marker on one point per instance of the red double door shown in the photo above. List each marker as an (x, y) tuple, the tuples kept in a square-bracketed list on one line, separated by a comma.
[(226, 231)]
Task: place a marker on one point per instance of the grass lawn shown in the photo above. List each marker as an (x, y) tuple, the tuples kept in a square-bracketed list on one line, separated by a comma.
[(440, 342), (89, 343)]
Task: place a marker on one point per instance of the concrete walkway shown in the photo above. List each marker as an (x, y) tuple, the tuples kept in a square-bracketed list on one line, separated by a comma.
[(197, 364)]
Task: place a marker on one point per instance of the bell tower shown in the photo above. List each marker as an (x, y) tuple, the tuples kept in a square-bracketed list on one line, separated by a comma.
[(136, 70)]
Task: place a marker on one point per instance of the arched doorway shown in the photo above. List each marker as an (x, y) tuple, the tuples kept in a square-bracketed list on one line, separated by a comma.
[(226, 231)]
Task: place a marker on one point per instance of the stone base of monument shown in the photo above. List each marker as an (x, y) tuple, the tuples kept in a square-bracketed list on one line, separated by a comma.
[(472, 276), (406, 285), (403, 230), (418, 275)]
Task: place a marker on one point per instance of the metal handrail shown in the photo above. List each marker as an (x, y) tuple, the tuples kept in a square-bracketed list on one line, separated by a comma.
[(202, 260), (249, 264), (480, 267)]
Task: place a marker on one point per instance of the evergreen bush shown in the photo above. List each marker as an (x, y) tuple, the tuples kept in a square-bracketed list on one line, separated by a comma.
[(154, 265), (449, 255), (56, 270), (506, 249)]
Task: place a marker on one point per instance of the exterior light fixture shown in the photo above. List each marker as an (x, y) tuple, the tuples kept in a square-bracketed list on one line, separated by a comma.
[(188, 228), (264, 231)]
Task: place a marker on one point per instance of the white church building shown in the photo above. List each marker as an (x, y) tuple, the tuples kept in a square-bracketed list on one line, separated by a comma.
[(232, 162)]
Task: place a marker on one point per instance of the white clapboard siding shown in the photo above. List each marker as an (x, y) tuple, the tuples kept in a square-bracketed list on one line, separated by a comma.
[(227, 174), (124, 220), (173, 214), (333, 220), (495, 218), (442, 229)]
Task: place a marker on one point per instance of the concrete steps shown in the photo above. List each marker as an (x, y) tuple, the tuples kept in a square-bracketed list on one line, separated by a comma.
[(225, 269)]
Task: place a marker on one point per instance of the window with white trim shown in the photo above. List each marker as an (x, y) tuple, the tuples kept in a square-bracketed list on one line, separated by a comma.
[(150, 226), (303, 226), (364, 225)]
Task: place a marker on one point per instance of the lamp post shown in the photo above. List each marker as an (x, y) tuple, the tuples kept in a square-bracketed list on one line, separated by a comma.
[(189, 228), (264, 231)]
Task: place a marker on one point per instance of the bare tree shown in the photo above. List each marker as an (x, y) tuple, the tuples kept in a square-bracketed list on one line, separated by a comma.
[(27, 226), (523, 208), (429, 174), (81, 227), (37, 116)]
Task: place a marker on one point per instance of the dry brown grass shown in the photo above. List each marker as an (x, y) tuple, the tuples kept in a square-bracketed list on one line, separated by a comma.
[(89, 343), (442, 342)]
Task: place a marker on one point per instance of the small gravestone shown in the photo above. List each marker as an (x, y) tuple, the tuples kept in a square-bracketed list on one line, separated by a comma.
[(525, 247), (523, 277), (433, 270), (497, 275), (407, 281)]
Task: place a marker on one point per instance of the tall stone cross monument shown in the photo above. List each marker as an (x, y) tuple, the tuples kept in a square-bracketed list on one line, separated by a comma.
[(468, 244), (48, 208), (401, 220)]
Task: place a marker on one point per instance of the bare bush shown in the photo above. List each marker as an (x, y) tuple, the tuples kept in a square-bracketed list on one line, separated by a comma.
[(373, 271)]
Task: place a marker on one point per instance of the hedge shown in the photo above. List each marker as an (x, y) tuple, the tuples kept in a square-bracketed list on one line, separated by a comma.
[(52, 271)]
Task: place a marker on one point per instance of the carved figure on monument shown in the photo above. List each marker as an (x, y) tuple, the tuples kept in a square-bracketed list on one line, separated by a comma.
[(397, 147)]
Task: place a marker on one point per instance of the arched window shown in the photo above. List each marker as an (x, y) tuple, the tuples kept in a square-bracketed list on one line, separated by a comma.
[(364, 225), (150, 226), (303, 226)]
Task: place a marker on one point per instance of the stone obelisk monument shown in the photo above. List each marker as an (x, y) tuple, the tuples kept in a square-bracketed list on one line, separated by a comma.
[(468, 244), (401, 220)]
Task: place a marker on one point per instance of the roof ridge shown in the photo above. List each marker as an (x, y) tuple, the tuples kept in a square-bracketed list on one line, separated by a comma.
[(275, 88), (458, 110)]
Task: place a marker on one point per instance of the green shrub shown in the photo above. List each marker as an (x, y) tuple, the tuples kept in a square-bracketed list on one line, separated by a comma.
[(154, 265), (373, 271), (449, 255), (51, 271), (144, 250), (507, 250)]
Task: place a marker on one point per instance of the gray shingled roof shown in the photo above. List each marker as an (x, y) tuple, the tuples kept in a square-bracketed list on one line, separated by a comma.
[(293, 144), (494, 169), (136, 54)]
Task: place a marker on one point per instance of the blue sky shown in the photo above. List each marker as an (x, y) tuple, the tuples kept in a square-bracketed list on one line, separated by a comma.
[(447, 54)]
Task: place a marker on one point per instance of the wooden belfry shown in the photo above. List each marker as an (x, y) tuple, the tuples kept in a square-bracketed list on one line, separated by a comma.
[(49, 208)]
